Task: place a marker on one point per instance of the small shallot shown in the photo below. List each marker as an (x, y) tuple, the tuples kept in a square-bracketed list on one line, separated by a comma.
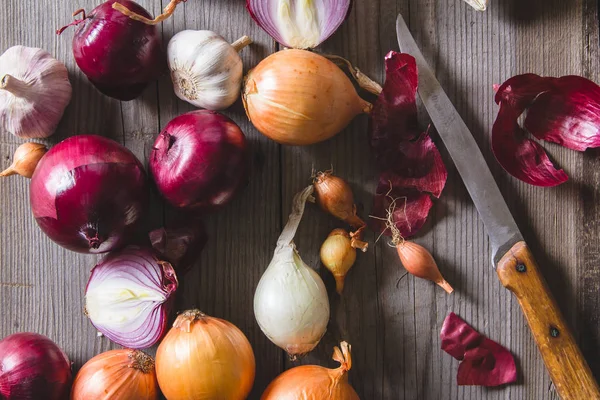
[(334, 195), (338, 256), (25, 159), (415, 258)]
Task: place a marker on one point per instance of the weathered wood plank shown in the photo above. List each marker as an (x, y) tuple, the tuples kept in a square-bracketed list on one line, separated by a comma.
[(392, 320)]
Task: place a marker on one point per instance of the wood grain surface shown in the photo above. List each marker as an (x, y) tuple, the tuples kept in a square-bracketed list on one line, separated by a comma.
[(391, 319)]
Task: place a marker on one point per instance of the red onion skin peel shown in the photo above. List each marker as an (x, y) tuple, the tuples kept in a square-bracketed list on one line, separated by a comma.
[(412, 169), (119, 55), (564, 110), (88, 194), (32, 367), (200, 161)]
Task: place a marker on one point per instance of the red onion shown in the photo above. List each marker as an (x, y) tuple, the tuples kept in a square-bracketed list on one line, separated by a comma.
[(129, 295), (33, 367), (302, 25), (200, 160), (118, 54), (88, 193)]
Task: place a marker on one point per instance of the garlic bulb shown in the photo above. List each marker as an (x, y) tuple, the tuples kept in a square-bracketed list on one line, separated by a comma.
[(290, 303), (206, 70), (34, 92)]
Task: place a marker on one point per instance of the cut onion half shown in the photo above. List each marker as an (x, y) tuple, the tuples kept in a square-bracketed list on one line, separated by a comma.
[(299, 24)]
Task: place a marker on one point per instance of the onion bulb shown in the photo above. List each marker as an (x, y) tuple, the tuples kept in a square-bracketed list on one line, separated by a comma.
[(204, 358), (338, 256), (415, 258), (315, 382), (122, 374), (298, 97), (290, 303)]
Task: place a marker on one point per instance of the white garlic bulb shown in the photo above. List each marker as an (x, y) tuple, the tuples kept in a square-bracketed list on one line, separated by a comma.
[(34, 92), (206, 70)]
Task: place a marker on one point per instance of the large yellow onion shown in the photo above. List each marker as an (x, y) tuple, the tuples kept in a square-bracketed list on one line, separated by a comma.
[(311, 382), (299, 97), (122, 374), (204, 358)]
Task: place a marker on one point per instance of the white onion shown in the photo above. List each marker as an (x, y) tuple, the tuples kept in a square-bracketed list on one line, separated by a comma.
[(291, 304)]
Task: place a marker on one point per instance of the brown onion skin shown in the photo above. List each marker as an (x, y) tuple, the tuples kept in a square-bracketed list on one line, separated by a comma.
[(321, 98), (204, 358), (122, 374), (310, 382)]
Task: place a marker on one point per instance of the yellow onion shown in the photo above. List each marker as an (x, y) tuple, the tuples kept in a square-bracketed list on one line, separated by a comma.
[(338, 256), (309, 382), (204, 358), (298, 97), (122, 374)]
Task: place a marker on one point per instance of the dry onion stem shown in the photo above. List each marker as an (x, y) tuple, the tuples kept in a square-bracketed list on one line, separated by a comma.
[(415, 258), (363, 80), (335, 196), (167, 12)]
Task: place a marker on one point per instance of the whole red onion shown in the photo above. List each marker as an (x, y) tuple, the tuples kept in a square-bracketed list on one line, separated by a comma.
[(88, 193), (200, 160), (32, 367), (119, 55)]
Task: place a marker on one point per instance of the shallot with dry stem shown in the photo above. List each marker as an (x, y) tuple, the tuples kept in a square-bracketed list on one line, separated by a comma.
[(334, 196), (416, 259)]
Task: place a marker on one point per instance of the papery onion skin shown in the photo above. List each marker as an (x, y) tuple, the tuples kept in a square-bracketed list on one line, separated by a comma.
[(119, 55), (298, 97), (204, 358), (88, 194), (32, 367), (312, 382), (133, 278), (122, 374), (200, 161)]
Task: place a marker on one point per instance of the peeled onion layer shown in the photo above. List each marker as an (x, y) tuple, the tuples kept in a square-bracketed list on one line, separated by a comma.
[(298, 97), (300, 24), (119, 55), (88, 194)]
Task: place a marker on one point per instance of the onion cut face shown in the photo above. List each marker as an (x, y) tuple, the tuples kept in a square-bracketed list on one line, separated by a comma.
[(88, 194), (300, 24), (129, 295)]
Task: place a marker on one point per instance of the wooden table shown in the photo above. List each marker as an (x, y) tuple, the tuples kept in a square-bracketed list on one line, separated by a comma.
[(391, 319)]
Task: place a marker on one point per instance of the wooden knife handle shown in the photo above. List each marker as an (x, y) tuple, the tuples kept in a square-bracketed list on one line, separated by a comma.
[(569, 371)]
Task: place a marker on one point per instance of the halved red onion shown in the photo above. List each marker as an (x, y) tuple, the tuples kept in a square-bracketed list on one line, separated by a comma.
[(299, 24), (129, 295)]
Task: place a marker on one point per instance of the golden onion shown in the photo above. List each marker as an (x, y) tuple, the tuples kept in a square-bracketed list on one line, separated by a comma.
[(298, 97), (204, 358), (309, 382)]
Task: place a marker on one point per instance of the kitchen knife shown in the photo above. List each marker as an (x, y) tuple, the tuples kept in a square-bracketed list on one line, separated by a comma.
[(513, 260)]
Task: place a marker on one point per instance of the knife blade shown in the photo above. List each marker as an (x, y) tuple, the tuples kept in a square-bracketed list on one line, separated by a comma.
[(513, 260)]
